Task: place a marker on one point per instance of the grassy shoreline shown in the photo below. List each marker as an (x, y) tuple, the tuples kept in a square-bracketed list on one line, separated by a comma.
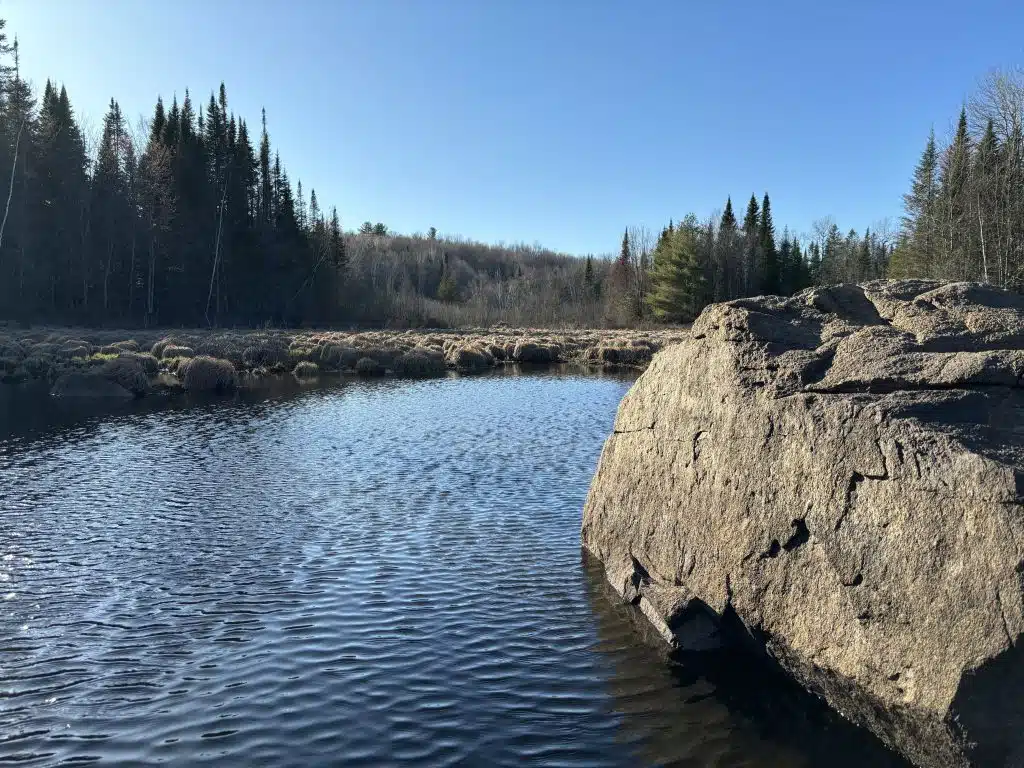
[(92, 362)]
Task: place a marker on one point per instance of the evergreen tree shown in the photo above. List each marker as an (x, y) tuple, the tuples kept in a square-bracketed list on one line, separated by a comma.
[(766, 240), (752, 262), (786, 283), (676, 282), (915, 256), (728, 218)]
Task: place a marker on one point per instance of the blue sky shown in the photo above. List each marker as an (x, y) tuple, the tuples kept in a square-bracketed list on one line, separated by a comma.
[(551, 121)]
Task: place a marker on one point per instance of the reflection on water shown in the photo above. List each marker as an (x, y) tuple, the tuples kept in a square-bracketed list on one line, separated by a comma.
[(350, 573)]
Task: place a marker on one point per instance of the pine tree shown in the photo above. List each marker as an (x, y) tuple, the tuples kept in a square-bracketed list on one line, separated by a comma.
[(588, 271)]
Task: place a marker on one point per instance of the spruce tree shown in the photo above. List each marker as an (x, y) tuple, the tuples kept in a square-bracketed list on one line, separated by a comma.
[(916, 256), (752, 263), (787, 283), (676, 280), (766, 241), (728, 221)]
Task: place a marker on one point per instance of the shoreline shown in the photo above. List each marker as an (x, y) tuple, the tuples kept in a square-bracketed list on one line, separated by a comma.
[(94, 363)]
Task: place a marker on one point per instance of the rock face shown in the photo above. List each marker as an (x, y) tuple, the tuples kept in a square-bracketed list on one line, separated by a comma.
[(842, 473)]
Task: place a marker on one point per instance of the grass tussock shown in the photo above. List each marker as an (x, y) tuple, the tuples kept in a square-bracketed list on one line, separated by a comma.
[(265, 353), (207, 374), (127, 372), (470, 357), (420, 363), (533, 352), (367, 366), (149, 363), (306, 370), (175, 350)]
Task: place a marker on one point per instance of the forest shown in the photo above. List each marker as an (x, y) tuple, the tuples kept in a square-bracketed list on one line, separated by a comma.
[(189, 218)]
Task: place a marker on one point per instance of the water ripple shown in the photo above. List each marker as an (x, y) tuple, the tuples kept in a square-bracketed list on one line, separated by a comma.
[(365, 573)]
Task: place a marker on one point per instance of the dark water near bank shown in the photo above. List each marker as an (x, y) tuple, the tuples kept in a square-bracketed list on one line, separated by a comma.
[(366, 573)]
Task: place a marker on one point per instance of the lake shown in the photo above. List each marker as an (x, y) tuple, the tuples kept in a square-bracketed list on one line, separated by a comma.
[(351, 573)]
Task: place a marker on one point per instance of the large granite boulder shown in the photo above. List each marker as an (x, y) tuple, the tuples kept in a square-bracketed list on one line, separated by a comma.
[(840, 474)]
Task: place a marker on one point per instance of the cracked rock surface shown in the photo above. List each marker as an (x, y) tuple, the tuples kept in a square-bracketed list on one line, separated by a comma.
[(842, 472)]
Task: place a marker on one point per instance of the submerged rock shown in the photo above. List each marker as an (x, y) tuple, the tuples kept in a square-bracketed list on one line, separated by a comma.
[(842, 472)]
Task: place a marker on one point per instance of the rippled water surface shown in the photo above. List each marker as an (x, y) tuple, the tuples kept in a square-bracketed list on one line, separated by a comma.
[(370, 573)]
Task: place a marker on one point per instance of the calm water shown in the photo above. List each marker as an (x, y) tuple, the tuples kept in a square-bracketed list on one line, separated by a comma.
[(366, 573)]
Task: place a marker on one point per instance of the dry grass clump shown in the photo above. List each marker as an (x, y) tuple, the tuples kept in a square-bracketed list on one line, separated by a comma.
[(149, 363), (470, 357), (174, 350), (120, 346), (532, 352), (420, 362), (334, 357), (11, 348), (207, 374), (306, 369), (623, 352), (157, 350), (128, 372), (71, 348), (265, 352), (38, 365), (367, 366)]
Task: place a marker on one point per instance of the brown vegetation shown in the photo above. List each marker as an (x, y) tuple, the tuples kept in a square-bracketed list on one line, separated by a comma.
[(46, 354)]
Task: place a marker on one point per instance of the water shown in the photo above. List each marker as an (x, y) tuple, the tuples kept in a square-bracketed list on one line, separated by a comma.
[(365, 573)]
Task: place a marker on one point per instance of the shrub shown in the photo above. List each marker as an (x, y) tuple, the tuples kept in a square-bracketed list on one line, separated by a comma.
[(127, 346), (207, 374), (420, 363), (367, 366), (173, 350), (127, 372), (306, 370)]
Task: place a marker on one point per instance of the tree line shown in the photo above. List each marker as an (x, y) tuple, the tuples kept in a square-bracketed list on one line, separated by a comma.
[(693, 263), (964, 212), (190, 218)]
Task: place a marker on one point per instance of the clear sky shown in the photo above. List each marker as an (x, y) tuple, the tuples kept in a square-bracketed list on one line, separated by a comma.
[(551, 121)]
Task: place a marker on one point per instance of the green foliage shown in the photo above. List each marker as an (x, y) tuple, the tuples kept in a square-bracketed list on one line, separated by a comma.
[(447, 288), (676, 279)]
